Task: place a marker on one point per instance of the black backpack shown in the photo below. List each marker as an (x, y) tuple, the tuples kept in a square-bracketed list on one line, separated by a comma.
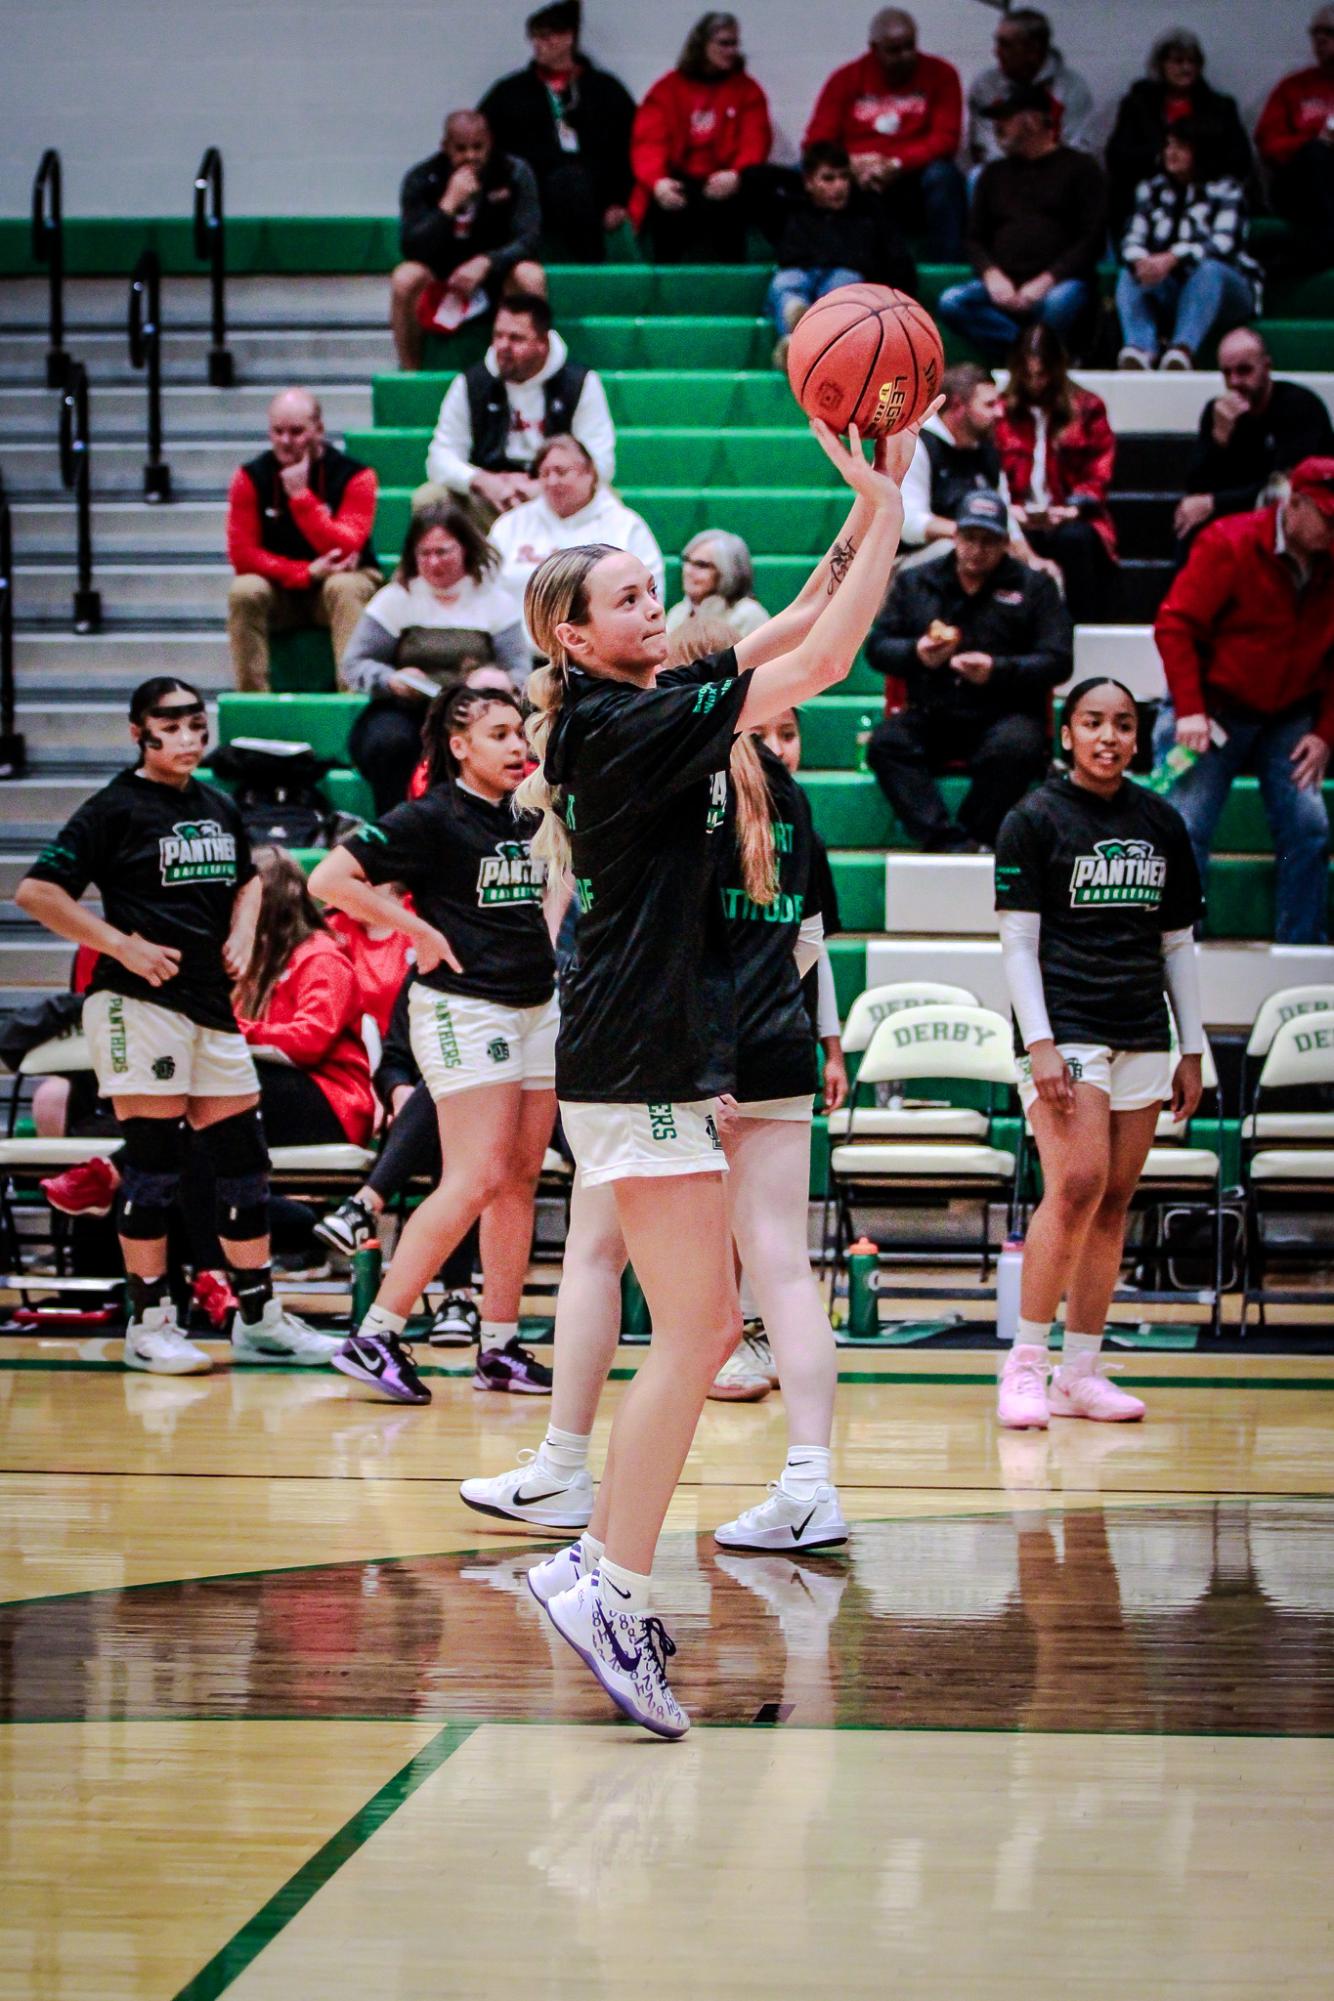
[(276, 787)]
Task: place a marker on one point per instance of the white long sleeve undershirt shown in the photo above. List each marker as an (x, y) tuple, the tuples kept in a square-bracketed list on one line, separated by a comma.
[(810, 943), (1181, 976)]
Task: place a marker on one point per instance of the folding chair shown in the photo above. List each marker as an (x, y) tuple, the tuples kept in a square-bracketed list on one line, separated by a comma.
[(906, 1118), (949, 1042), (24, 1162), (1298, 1177), (1285, 1005), (1178, 1171)]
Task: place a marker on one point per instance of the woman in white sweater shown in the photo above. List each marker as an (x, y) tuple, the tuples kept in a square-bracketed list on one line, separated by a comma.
[(572, 508)]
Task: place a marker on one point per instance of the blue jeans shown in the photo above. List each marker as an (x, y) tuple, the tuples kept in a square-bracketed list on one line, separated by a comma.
[(968, 309), (804, 286), (1211, 296), (1298, 820)]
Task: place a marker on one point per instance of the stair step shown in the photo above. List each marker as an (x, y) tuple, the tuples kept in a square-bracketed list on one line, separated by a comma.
[(56, 661), (270, 303), (123, 527), (201, 469), (40, 961), (272, 356), (32, 414), (81, 730), (131, 591)]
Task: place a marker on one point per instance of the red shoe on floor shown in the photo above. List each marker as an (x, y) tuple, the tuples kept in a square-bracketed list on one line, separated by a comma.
[(88, 1189), (214, 1298)]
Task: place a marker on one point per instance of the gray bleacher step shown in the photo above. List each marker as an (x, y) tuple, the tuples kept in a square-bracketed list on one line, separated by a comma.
[(119, 659), (131, 591), (34, 808), (273, 356), (269, 302), (123, 527), (79, 729), (241, 413), (15, 861), (201, 468), (42, 961)]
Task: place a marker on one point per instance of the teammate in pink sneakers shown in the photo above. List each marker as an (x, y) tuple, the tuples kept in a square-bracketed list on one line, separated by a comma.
[(1096, 892)]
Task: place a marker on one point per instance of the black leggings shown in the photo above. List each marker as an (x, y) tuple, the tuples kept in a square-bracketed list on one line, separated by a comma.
[(412, 1153)]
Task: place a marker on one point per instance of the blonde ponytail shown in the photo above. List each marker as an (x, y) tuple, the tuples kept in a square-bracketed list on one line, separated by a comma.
[(694, 640), (557, 594)]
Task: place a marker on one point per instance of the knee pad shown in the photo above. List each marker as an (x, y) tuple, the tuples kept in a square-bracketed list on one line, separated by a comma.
[(150, 1171), (241, 1175)]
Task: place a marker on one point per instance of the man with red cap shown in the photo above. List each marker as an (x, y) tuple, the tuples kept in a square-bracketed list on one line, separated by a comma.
[(1246, 635)]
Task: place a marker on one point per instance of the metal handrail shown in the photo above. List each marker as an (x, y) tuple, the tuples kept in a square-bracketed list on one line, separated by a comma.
[(76, 476), (13, 751), (211, 249), (145, 334), (48, 247)]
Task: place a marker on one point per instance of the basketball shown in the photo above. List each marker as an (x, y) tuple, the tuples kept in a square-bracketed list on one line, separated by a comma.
[(865, 355)]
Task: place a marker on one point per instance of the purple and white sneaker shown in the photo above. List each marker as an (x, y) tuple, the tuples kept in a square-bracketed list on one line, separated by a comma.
[(627, 1651), (511, 1368), (558, 1573), (385, 1363)]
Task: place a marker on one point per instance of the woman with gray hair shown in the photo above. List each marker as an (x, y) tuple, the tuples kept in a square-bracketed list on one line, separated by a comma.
[(718, 581), (1173, 88)]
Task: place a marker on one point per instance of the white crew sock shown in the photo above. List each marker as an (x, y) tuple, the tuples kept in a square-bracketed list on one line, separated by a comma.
[(1031, 1333), (564, 1452), (592, 1549), (379, 1320), (806, 1471), (498, 1333), (1077, 1345), (623, 1590)]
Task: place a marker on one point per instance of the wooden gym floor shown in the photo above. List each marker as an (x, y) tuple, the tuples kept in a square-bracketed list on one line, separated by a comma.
[(277, 1717)]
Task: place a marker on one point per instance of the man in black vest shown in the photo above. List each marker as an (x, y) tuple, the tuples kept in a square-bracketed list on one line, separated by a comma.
[(972, 645), (496, 415), (299, 521), (956, 454), (470, 223)]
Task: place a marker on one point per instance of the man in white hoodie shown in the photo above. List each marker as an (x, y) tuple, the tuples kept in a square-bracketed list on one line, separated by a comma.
[(496, 415)]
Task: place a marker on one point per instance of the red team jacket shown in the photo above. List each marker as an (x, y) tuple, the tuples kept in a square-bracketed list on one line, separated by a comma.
[(1079, 460), (1234, 621), (348, 531), (314, 1017), (859, 110), (1294, 114), (695, 129)]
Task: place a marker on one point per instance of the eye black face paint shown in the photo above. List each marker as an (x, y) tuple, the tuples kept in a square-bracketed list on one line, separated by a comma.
[(191, 713)]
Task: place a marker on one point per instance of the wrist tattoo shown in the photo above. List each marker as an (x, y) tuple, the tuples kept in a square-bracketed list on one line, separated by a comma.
[(840, 561)]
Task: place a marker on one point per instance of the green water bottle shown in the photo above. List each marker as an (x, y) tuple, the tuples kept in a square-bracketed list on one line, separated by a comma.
[(636, 1321), (865, 724), (863, 1307), (365, 1280), (1173, 766)]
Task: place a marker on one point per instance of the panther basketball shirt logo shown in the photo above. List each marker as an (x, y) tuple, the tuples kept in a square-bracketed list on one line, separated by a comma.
[(1119, 872), (197, 851), (510, 875)]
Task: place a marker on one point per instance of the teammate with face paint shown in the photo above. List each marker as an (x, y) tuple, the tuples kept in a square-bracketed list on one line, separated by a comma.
[(180, 895), (483, 1019), (1096, 893)]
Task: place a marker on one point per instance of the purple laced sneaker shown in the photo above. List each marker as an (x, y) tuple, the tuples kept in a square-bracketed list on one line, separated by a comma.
[(511, 1368), (383, 1361)]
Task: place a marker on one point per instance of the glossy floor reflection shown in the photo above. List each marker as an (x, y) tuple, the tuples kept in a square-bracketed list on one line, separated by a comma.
[(1171, 1619)]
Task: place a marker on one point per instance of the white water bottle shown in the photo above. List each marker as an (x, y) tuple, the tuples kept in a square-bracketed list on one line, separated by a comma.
[(1009, 1274)]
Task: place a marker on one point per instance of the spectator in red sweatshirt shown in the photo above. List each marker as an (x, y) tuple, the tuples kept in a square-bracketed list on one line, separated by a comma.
[(1246, 635), (300, 998), (299, 520), (899, 117), (699, 133), (1295, 137)]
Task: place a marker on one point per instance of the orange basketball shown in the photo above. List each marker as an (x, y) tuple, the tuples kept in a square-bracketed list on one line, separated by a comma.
[(865, 355)]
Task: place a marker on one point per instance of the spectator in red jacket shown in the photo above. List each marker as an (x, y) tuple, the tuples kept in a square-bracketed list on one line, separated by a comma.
[(1295, 137), (299, 521), (1246, 635), (380, 960), (1057, 452), (300, 998), (899, 117), (699, 133)]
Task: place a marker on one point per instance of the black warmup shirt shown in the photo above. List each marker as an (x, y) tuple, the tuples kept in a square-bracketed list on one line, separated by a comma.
[(1107, 877), (168, 861), (775, 1048), (468, 866), (647, 1001)]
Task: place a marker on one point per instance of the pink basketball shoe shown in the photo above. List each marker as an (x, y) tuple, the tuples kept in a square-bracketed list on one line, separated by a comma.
[(1079, 1389), (1021, 1400)]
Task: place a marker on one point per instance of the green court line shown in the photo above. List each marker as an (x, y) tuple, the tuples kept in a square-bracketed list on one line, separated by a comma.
[(245, 1945), (888, 1377)]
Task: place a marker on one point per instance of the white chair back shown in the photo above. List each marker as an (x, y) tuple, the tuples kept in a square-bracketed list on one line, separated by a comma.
[(1286, 1005), (58, 1055), (947, 1039), (878, 1003), (1302, 1052)]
